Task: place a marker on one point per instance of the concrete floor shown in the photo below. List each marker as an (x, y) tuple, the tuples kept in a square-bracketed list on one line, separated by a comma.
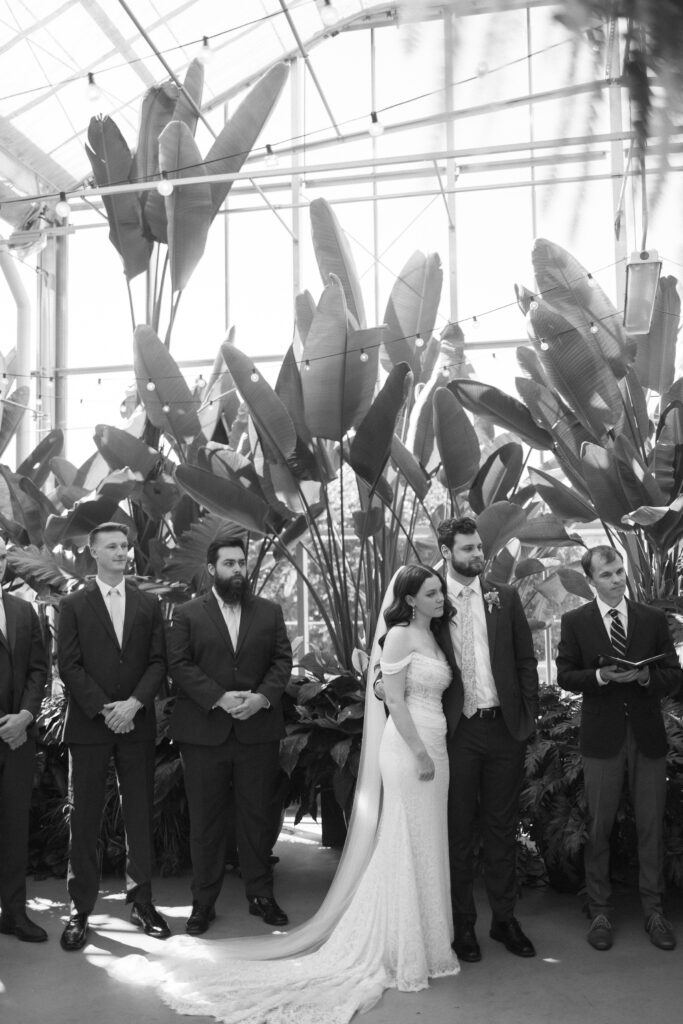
[(567, 983)]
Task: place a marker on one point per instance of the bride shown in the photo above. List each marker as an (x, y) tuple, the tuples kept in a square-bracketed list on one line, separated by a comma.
[(386, 920)]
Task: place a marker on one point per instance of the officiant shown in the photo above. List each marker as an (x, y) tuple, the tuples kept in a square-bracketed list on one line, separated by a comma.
[(622, 732)]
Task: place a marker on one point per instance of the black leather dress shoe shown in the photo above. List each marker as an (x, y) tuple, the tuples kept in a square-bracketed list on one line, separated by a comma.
[(148, 917), (660, 931), (512, 937), (267, 908), (600, 933), (21, 926), (465, 944), (200, 919), (75, 935)]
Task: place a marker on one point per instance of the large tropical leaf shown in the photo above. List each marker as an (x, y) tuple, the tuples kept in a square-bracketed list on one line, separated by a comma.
[(188, 208), (74, 526), (236, 139), (37, 466), (498, 475), (635, 408), (38, 567), (498, 524), (371, 445), (575, 583), (456, 440), (304, 309), (420, 438), (530, 362), (502, 409), (219, 399), (410, 468), (640, 486), (546, 531), (189, 100), (170, 405), (334, 256), (157, 109), (562, 501), (227, 499), (13, 409), (121, 451), (271, 418), (656, 356), (111, 161), (578, 298), (604, 483), (186, 563), (568, 435), (289, 390), (412, 308)]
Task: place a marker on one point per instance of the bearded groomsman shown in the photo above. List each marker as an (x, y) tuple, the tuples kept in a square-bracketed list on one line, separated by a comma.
[(230, 661), (622, 732)]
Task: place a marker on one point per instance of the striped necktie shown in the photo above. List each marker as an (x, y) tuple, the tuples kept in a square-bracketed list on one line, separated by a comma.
[(617, 635)]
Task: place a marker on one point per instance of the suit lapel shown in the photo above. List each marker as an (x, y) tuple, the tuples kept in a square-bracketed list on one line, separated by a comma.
[(631, 624), (491, 618), (132, 602), (246, 619), (216, 616), (96, 601), (9, 639)]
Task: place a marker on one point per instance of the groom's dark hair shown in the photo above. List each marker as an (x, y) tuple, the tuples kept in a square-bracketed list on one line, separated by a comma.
[(447, 530)]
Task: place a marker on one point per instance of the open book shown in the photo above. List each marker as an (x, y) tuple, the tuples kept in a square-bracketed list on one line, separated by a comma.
[(614, 659)]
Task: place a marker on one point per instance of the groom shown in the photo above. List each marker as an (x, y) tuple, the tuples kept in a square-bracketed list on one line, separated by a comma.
[(490, 709)]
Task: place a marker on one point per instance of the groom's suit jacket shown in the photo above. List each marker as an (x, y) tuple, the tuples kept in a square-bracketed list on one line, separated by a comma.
[(607, 709), (513, 663)]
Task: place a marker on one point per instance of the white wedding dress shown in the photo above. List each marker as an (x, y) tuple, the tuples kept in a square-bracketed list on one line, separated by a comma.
[(396, 931)]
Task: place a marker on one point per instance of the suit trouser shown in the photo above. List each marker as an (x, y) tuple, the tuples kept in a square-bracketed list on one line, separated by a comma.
[(252, 770), (88, 769), (16, 787), (604, 781), (486, 771)]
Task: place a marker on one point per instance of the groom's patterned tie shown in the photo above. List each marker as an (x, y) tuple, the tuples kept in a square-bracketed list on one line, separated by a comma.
[(617, 635), (467, 659)]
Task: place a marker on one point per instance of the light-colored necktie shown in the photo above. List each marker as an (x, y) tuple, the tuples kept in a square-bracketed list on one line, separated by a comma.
[(3, 619), (230, 615), (468, 664), (116, 612), (617, 635)]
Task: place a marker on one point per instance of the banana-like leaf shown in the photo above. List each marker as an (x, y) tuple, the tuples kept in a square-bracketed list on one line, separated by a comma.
[(271, 418), (502, 409), (640, 486), (121, 485), (74, 526), (420, 438), (187, 562), (37, 466), (577, 371), (156, 112), (38, 568), (304, 306), (635, 407), (456, 440), (236, 139), (648, 515), (529, 361), (368, 524), (656, 356), (112, 162), (412, 308), (13, 409), (337, 384), (64, 471), (498, 524), (568, 435), (575, 583), (566, 286), (562, 501), (529, 567), (603, 480), (226, 499), (552, 590), (371, 447), (667, 466), (334, 256), (190, 96), (170, 405), (120, 450), (296, 495), (410, 468), (289, 390), (188, 208), (499, 475), (546, 531), (524, 298), (219, 399)]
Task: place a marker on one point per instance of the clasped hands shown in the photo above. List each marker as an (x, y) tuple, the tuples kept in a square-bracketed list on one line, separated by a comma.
[(119, 714), (241, 704), (614, 674), (13, 729)]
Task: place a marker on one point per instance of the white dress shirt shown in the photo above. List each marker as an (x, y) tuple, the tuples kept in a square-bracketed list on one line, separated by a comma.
[(120, 589), (232, 613), (486, 693)]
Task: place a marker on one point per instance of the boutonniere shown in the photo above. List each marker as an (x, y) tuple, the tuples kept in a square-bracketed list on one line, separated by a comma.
[(492, 598)]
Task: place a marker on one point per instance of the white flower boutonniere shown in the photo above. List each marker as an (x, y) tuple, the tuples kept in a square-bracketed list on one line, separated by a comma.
[(492, 598)]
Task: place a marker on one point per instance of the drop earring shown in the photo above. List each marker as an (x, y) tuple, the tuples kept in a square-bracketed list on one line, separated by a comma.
[(413, 612)]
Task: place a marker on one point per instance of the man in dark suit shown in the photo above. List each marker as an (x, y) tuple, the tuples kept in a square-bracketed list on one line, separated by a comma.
[(622, 730), (112, 661), (491, 708), (230, 660), (23, 672)]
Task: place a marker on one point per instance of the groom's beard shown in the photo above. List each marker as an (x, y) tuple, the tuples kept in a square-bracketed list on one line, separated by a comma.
[(233, 590)]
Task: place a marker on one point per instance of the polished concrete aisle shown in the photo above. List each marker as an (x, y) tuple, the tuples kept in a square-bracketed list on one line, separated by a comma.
[(567, 983)]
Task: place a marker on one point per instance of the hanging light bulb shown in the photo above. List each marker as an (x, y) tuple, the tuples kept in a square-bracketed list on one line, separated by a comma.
[(544, 345), (200, 382), (92, 90), (364, 356), (62, 208), (205, 53), (475, 324), (271, 157), (254, 377), (307, 364), (166, 407), (165, 186), (591, 281), (419, 341), (593, 328), (533, 305), (150, 385), (328, 13), (482, 69), (376, 127)]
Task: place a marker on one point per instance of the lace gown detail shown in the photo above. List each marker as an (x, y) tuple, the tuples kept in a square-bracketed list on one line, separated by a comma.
[(396, 931)]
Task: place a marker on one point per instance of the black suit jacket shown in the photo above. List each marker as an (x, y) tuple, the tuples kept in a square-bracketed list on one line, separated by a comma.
[(95, 670), (513, 664), (23, 657), (606, 709), (204, 665)]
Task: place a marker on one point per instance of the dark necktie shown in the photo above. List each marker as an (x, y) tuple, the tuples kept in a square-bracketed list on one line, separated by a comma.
[(617, 635)]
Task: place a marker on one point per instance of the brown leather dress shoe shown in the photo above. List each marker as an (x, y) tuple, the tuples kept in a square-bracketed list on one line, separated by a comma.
[(75, 935), (465, 944), (512, 937), (267, 908), (660, 931), (22, 926), (600, 933), (148, 917), (200, 919)]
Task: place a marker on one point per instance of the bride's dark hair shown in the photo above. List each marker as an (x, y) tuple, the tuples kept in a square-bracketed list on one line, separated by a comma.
[(407, 583)]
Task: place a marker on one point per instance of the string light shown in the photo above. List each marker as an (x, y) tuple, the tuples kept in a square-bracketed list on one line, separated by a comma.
[(482, 69), (593, 328), (166, 407), (475, 324), (200, 382), (254, 377), (364, 356), (205, 53), (62, 208), (591, 281), (419, 341), (328, 13), (533, 305), (150, 385), (376, 127), (271, 157), (307, 364), (92, 90), (165, 186), (544, 345)]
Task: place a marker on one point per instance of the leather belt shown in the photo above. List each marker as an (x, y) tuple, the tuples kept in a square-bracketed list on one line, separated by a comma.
[(489, 713)]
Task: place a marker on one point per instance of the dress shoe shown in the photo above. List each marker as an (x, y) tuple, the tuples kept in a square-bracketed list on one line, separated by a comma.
[(465, 944), (660, 931), (148, 917), (267, 908), (512, 937), (200, 919), (21, 926), (600, 932), (75, 934)]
